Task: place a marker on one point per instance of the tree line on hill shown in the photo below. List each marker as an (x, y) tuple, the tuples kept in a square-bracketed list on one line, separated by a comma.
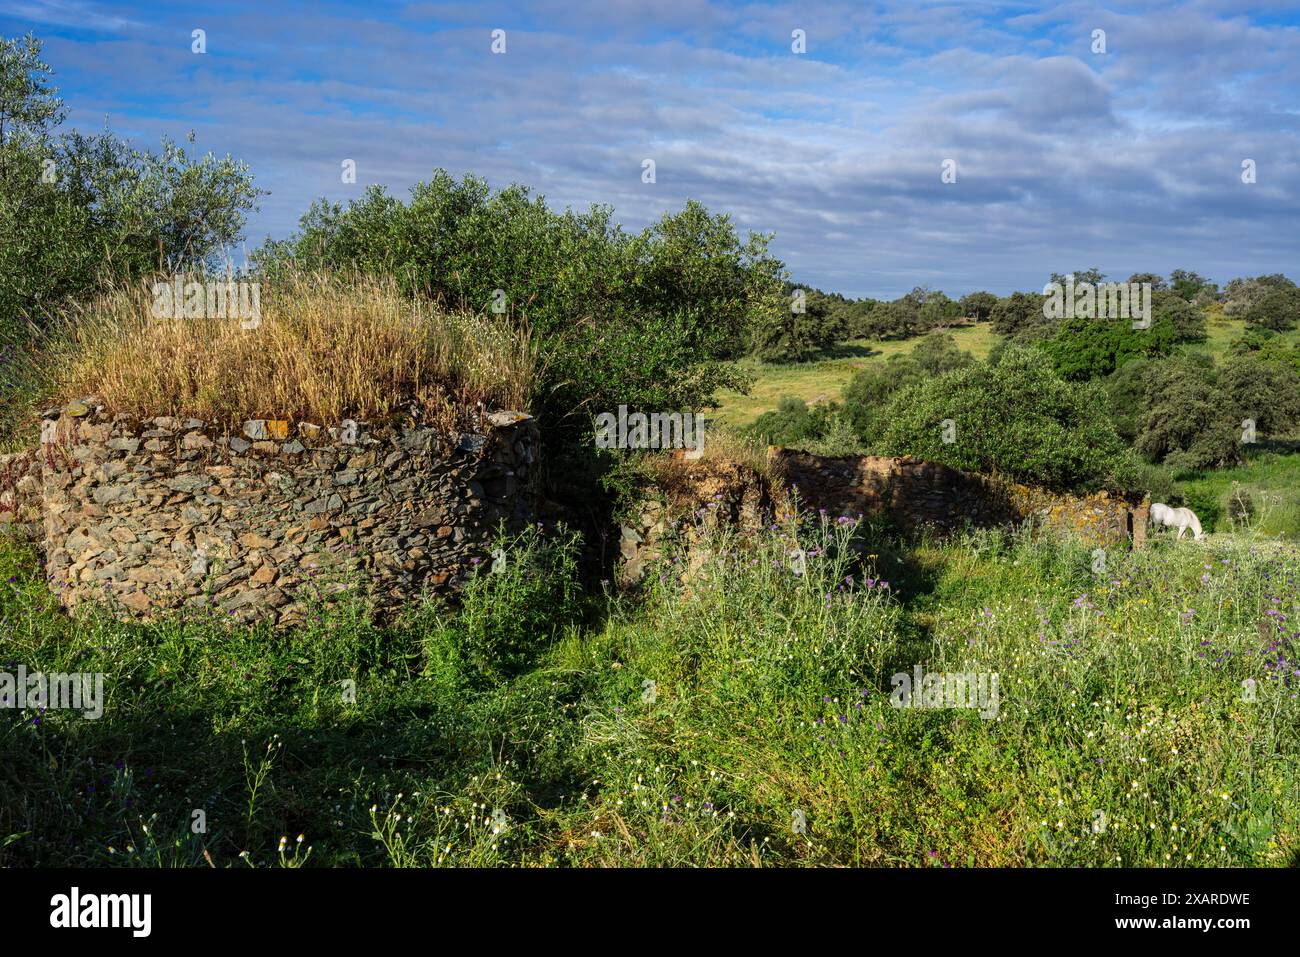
[(1266, 303)]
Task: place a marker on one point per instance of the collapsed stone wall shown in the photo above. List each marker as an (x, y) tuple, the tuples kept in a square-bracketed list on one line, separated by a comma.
[(690, 500), (1099, 519), (912, 494), (20, 496), (915, 493), (163, 513)]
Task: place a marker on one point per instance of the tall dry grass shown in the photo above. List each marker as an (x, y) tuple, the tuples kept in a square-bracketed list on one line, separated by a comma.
[(327, 348)]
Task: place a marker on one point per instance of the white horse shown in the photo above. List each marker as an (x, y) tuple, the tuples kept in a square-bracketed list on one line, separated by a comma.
[(1179, 518)]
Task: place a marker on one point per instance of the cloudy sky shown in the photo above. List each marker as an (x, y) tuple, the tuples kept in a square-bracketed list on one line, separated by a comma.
[(1065, 158)]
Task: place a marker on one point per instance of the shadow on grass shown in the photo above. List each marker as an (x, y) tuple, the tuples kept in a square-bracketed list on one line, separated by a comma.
[(73, 788)]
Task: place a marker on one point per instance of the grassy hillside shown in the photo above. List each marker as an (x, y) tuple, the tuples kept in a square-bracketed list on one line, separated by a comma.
[(1263, 493), (822, 378)]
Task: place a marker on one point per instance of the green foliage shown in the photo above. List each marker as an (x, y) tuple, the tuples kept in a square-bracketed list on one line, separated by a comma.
[(1190, 286), (1187, 320), (937, 353), (867, 394), (1020, 315), (1158, 482), (1084, 349), (512, 611), (792, 423), (1268, 346), (1262, 389), (937, 310), (1241, 295), (1268, 477), (978, 305), (1157, 282), (838, 436), (799, 331), (1187, 420), (919, 311), (899, 319), (771, 693), (1018, 418), (1278, 310), (80, 211), (643, 320), (1126, 395), (1188, 415), (828, 318), (1081, 276)]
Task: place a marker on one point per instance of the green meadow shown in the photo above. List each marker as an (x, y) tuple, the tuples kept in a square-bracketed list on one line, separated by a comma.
[(1145, 715)]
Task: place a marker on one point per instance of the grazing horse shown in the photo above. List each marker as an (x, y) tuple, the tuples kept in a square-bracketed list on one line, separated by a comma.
[(1179, 518)]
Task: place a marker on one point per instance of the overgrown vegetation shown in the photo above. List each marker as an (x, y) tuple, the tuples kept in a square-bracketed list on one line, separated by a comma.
[(1148, 710), (1177, 410), (326, 347), (645, 320), (688, 727)]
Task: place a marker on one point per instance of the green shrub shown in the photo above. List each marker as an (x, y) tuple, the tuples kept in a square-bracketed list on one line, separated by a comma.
[(1020, 315), (1018, 419), (1269, 346), (1084, 349), (1158, 481), (517, 603), (1187, 420), (838, 437), (644, 320), (1202, 500), (1125, 395), (1186, 320), (937, 353), (1278, 309), (867, 394), (1263, 389), (792, 423), (1239, 506)]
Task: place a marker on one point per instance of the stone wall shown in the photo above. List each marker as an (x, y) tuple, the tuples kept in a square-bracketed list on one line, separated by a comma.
[(691, 499), (163, 513), (1099, 519), (913, 494), (21, 508)]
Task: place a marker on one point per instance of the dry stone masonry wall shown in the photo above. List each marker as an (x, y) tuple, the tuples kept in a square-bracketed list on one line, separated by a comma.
[(163, 513), (21, 507), (913, 494), (694, 499)]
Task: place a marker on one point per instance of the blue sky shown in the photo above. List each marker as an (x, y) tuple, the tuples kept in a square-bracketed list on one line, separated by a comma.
[(1065, 158)]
